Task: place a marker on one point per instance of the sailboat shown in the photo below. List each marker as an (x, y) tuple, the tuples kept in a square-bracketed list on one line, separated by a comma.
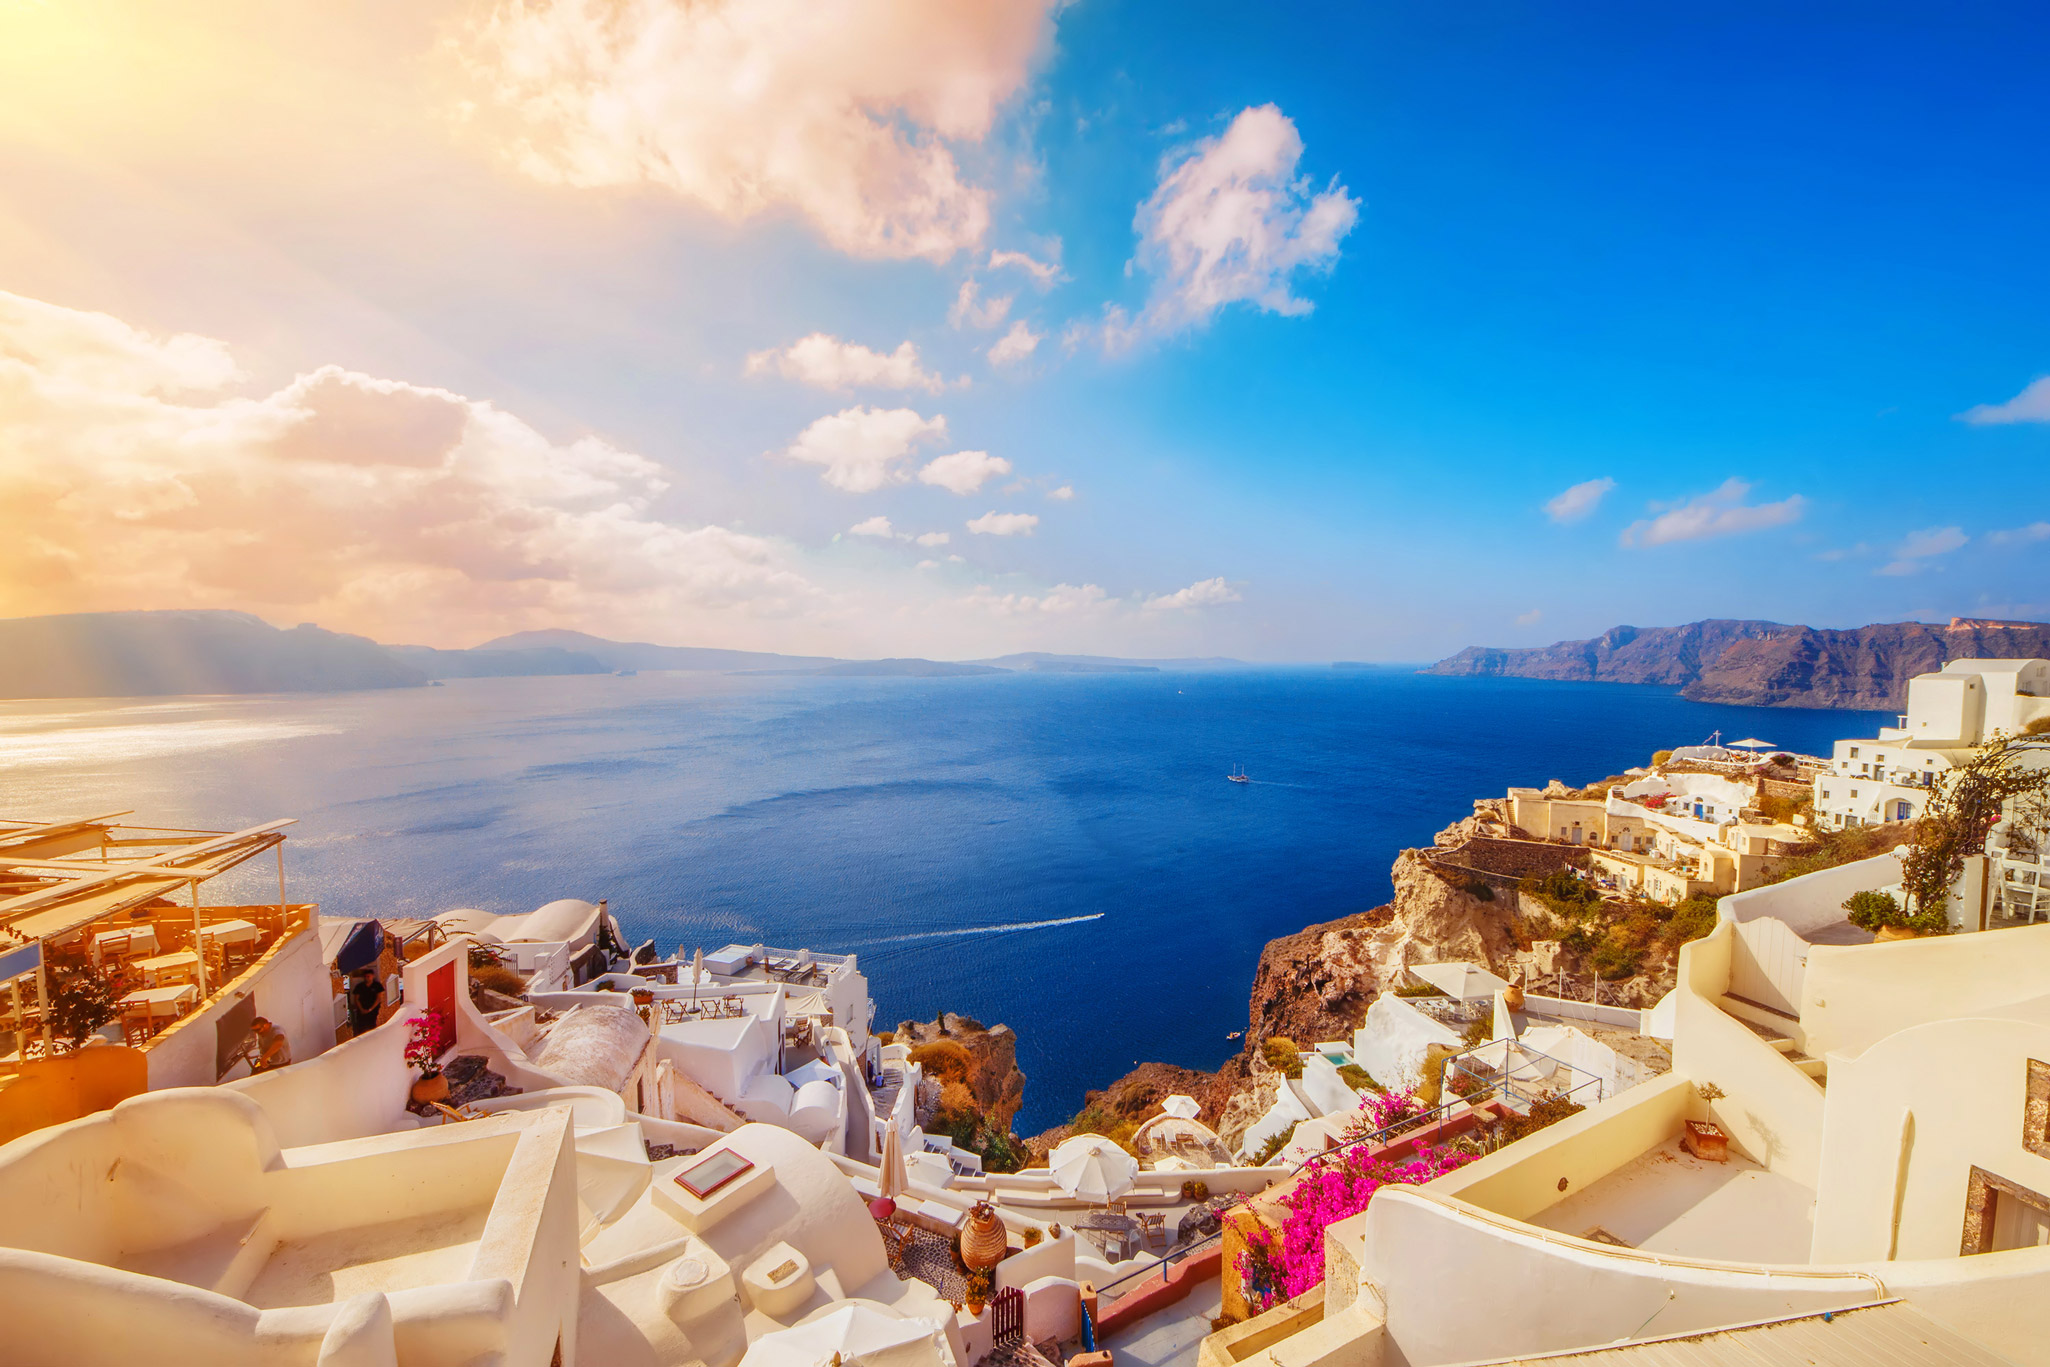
[(1239, 775)]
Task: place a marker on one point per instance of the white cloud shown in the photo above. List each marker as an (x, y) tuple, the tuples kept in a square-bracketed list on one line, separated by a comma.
[(1529, 619), (1918, 548), (826, 362), (971, 310), (1064, 493), (2020, 536), (1721, 512), (861, 449), (1004, 524), (1204, 593), (843, 113), (2031, 405), (1061, 600), (1232, 222), (928, 564), (874, 526), (934, 538), (1045, 274), (1016, 345), (1579, 501), (133, 478), (963, 472)]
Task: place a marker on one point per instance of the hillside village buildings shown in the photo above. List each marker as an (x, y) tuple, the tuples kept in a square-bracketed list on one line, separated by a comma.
[(1836, 1151)]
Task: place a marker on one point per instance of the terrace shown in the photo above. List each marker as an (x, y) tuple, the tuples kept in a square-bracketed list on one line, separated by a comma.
[(90, 903)]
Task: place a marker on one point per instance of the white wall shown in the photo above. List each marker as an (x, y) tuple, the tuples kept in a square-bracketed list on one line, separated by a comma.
[(1907, 1120), (1458, 1285), (1391, 1043), (293, 990), (1857, 995), (1813, 900)]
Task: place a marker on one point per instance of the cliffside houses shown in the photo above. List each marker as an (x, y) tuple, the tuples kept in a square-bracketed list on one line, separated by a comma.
[(1890, 776), (1846, 1162), (1664, 835)]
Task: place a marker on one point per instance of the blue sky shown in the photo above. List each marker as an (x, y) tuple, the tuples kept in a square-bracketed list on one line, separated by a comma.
[(1749, 269)]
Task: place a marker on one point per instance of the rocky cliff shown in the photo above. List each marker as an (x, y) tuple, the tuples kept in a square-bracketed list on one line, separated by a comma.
[(980, 1060), (1763, 663)]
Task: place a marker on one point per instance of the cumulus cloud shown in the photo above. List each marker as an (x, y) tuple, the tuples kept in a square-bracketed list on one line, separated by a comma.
[(134, 478), (1720, 512), (1204, 593), (934, 538), (1014, 346), (862, 449), (825, 362), (1918, 548), (1045, 274), (2020, 536), (1064, 493), (1232, 222), (963, 472), (1579, 501), (874, 526), (2031, 405), (1004, 524), (847, 114), (972, 310)]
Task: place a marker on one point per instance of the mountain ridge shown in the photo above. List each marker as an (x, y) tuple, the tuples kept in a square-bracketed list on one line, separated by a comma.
[(1759, 663)]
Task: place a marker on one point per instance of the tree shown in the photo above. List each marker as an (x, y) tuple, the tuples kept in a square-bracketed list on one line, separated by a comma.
[(82, 999), (2009, 769)]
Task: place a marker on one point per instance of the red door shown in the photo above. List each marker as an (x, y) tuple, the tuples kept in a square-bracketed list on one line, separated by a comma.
[(441, 996)]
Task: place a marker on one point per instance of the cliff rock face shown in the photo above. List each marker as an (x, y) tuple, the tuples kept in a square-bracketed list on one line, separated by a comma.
[(991, 1074), (1763, 663)]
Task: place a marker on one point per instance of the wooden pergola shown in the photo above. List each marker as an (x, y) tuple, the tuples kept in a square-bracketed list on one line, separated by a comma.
[(59, 877)]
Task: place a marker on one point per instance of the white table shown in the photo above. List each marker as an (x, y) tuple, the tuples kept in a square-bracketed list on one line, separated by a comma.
[(229, 932), (178, 961), (162, 1001), (127, 940)]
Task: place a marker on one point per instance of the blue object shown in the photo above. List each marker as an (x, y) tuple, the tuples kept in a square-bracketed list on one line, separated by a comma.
[(362, 949)]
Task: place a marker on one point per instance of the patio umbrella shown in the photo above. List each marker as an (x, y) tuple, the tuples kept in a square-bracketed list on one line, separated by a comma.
[(1092, 1168), (1182, 1107), (891, 1179), (851, 1333), (1751, 744), (697, 971)]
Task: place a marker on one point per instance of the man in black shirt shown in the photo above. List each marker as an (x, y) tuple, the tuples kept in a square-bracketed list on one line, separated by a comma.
[(366, 1000)]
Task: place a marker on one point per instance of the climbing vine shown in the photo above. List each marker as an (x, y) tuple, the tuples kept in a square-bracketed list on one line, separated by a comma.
[(1973, 797)]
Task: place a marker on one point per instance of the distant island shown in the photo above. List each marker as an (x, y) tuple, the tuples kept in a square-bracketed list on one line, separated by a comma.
[(1763, 664), (166, 653)]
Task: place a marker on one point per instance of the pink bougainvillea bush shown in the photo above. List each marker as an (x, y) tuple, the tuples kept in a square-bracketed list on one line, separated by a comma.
[(1281, 1266), (1380, 1111)]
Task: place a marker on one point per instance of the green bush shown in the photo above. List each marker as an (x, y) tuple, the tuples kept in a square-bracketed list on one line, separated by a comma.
[(1358, 1078), (1876, 911), (1549, 1111), (1282, 1055), (1691, 920), (1615, 959), (1563, 893), (1479, 1031), (1273, 1147), (1419, 990)]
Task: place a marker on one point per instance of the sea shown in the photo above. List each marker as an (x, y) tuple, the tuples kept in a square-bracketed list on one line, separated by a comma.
[(1061, 853)]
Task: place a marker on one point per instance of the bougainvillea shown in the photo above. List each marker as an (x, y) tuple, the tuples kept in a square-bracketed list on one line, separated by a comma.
[(1278, 1266)]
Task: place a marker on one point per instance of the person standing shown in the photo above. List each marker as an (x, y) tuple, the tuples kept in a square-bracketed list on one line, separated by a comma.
[(366, 1001)]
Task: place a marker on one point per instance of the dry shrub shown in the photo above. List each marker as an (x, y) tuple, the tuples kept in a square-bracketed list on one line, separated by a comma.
[(944, 1060), (499, 978)]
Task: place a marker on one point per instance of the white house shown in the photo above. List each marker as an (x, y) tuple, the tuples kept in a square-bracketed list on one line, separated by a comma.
[(1889, 777)]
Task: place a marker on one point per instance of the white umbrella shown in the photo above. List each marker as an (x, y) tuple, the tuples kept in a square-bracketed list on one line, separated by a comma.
[(697, 971), (891, 1179), (1182, 1107), (1092, 1168), (852, 1332), (1749, 744)]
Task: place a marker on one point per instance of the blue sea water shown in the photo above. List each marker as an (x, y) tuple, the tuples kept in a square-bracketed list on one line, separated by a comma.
[(1058, 852)]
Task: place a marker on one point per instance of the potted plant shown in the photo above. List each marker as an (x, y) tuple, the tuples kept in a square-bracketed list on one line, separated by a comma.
[(423, 1051), (1887, 919)]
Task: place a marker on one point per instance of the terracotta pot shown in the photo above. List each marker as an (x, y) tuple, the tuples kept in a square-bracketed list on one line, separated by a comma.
[(983, 1243), (431, 1089)]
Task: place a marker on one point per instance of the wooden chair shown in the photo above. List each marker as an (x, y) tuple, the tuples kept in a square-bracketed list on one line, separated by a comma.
[(1154, 1225)]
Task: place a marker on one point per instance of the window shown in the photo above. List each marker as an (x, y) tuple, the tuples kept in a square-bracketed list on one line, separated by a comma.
[(1854, 752), (2000, 1215)]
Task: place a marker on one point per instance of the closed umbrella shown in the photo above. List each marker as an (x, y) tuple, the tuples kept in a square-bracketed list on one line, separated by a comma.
[(891, 1178), (852, 1333), (697, 972), (1092, 1168)]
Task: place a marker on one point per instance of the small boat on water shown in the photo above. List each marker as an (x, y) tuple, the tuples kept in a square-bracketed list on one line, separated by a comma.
[(1239, 775)]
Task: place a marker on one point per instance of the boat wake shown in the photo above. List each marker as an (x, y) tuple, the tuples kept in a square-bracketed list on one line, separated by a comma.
[(989, 930)]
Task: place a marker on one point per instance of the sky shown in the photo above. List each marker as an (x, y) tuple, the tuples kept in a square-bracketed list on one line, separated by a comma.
[(892, 327)]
